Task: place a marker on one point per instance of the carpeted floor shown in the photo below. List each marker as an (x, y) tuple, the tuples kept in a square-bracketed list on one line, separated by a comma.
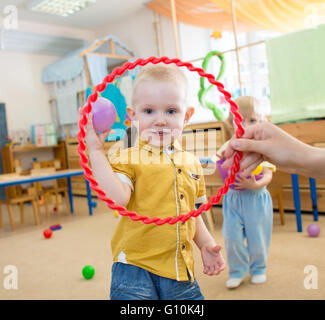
[(51, 268)]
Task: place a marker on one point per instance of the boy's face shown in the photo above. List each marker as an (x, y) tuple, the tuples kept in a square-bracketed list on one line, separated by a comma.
[(161, 112), (249, 120)]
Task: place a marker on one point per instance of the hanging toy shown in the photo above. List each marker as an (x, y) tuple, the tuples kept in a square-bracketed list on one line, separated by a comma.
[(216, 35), (202, 95)]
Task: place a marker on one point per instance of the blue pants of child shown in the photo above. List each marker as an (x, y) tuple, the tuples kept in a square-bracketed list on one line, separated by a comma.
[(130, 282), (248, 214)]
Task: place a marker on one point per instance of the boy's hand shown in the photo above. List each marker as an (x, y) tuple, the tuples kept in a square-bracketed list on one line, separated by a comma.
[(246, 183), (212, 259), (94, 141)]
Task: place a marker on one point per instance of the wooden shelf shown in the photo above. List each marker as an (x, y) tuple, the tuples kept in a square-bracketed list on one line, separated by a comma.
[(31, 147), (9, 153)]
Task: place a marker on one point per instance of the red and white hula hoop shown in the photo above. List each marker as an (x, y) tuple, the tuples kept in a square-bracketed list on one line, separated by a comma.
[(82, 147)]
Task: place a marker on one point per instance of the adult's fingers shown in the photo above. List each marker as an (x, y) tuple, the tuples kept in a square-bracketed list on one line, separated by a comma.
[(247, 145), (228, 163), (230, 151), (248, 170), (250, 159)]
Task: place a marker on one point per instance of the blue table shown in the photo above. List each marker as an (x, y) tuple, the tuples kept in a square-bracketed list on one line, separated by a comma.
[(12, 179)]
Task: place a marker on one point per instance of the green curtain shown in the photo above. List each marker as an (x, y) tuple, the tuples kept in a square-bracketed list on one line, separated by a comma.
[(297, 75)]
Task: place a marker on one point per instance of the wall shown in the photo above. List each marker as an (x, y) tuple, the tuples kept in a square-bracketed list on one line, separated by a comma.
[(195, 43), (137, 31), (20, 79), (22, 90), (43, 28), (21, 87)]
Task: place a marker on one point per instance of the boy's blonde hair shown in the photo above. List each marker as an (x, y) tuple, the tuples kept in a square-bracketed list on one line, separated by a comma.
[(160, 72), (247, 106)]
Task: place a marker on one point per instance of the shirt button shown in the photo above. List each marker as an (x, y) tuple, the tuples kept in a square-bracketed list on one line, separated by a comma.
[(179, 170), (181, 196), (183, 246)]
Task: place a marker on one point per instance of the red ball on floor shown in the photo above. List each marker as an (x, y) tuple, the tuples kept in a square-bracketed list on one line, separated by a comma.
[(47, 233)]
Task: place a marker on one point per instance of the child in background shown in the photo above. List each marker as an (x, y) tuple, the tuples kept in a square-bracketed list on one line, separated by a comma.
[(247, 211), (158, 179)]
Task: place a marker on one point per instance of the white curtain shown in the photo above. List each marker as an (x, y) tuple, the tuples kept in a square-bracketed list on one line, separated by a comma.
[(97, 68)]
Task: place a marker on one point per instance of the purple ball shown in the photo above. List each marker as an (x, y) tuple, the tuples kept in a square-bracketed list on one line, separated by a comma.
[(104, 115), (313, 230)]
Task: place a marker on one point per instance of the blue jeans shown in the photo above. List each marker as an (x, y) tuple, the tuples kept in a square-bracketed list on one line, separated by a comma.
[(247, 214), (133, 283)]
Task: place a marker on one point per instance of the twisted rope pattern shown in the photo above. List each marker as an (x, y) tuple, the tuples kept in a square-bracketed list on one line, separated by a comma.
[(82, 147)]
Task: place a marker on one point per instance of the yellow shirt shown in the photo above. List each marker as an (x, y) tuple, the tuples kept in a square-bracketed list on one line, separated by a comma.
[(165, 182)]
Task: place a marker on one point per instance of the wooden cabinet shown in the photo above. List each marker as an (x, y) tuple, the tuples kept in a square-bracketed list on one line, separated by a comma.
[(203, 140), (25, 155), (313, 133)]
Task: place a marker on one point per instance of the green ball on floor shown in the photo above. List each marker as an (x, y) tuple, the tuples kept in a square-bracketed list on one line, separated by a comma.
[(88, 272)]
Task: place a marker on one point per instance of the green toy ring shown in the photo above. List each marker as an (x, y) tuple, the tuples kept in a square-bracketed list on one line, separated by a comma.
[(218, 113)]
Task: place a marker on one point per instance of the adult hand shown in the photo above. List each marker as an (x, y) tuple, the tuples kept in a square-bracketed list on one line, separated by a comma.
[(267, 142)]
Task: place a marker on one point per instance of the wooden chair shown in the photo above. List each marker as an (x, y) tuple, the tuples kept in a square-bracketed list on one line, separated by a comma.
[(48, 188), (16, 195), (1, 222), (277, 192), (20, 200)]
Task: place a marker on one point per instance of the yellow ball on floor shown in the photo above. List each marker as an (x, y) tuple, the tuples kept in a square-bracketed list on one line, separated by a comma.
[(116, 214)]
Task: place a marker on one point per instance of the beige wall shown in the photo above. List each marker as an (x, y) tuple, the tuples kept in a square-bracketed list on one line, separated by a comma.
[(25, 95), (137, 32), (50, 29), (21, 87), (22, 90)]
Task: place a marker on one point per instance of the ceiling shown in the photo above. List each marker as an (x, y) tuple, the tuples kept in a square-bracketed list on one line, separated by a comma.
[(96, 15)]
